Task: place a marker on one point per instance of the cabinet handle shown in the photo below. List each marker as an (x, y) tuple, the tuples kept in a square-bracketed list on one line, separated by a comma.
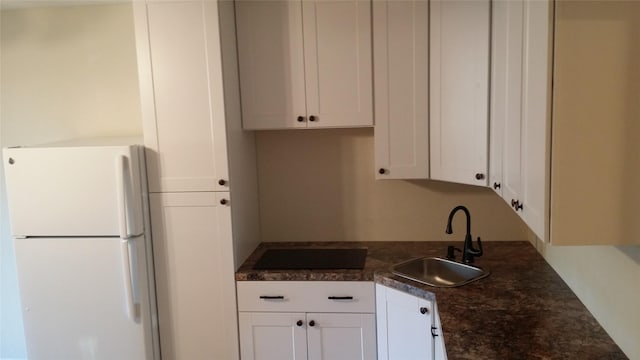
[(513, 203), (269, 297), (222, 182), (300, 118), (518, 205), (340, 298), (299, 323), (496, 185), (381, 171), (432, 333), (424, 310), (312, 323), (479, 176), (224, 202), (312, 118)]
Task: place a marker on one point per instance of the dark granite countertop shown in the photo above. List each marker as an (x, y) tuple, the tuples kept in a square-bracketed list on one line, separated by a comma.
[(523, 310)]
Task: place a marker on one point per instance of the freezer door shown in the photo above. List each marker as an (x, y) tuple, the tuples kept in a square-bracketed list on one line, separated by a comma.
[(74, 191), (77, 299)]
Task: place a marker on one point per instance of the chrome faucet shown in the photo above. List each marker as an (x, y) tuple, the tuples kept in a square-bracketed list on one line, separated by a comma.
[(468, 252)]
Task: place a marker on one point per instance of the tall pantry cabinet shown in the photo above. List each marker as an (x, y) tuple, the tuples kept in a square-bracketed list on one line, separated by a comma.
[(198, 157)]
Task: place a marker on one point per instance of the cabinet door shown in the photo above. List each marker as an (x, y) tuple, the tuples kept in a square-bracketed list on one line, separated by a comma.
[(401, 63), (338, 71), (459, 70), (506, 98), (404, 325), (341, 336), (272, 336), (271, 62), (181, 92), (536, 117), (440, 351), (195, 284)]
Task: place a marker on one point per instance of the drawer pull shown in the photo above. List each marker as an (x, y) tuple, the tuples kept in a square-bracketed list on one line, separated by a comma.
[(266, 297), (340, 298)]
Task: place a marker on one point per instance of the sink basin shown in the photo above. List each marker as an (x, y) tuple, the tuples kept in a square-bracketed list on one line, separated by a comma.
[(439, 272)]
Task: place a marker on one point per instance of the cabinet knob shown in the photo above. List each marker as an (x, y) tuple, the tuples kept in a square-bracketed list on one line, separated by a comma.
[(516, 204), (496, 186), (313, 118), (312, 323), (382, 171), (224, 202), (11, 161), (299, 323), (300, 118), (424, 310), (479, 176), (222, 182)]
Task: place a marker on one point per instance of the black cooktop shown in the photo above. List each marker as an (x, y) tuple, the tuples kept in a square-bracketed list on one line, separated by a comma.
[(314, 259)]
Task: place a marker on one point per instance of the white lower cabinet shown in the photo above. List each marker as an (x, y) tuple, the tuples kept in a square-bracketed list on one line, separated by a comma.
[(407, 327), (193, 260), (315, 320)]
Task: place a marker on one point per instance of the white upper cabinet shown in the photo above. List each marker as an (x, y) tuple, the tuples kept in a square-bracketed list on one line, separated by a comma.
[(520, 108), (459, 70), (178, 48), (401, 82), (305, 63)]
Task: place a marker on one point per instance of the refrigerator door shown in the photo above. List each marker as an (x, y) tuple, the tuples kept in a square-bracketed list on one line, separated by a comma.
[(74, 191), (80, 300)]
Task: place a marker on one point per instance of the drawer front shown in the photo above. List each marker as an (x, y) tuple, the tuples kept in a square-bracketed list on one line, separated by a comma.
[(307, 296)]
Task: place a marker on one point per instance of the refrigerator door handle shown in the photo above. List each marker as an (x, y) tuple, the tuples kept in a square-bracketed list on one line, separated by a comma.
[(126, 218), (126, 275), (121, 162)]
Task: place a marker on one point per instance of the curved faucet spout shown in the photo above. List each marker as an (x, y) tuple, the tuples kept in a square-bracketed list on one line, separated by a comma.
[(449, 230)]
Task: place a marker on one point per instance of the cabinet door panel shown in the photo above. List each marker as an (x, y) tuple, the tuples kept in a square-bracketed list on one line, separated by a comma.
[(534, 193), (459, 70), (181, 91), (506, 100), (270, 52), (341, 336), (272, 336), (193, 260), (404, 333), (338, 70), (401, 63)]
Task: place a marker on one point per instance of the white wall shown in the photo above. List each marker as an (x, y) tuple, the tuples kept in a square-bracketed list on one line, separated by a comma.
[(65, 72), (607, 281)]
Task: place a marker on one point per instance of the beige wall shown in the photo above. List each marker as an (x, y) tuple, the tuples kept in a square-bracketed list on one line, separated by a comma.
[(319, 185), (64, 73), (68, 72)]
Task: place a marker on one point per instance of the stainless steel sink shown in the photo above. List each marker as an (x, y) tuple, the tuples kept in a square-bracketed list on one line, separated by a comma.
[(439, 272)]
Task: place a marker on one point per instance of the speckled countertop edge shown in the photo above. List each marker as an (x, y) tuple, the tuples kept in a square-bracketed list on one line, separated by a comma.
[(523, 310)]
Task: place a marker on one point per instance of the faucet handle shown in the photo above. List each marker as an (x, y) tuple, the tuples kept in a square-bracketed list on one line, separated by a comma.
[(479, 251), (473, 251)]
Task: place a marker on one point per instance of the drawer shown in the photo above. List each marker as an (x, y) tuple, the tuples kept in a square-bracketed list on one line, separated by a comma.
[(307, 296)]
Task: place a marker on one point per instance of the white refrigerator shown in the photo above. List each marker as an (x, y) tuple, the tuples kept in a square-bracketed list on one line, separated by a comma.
[(79, 218)]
